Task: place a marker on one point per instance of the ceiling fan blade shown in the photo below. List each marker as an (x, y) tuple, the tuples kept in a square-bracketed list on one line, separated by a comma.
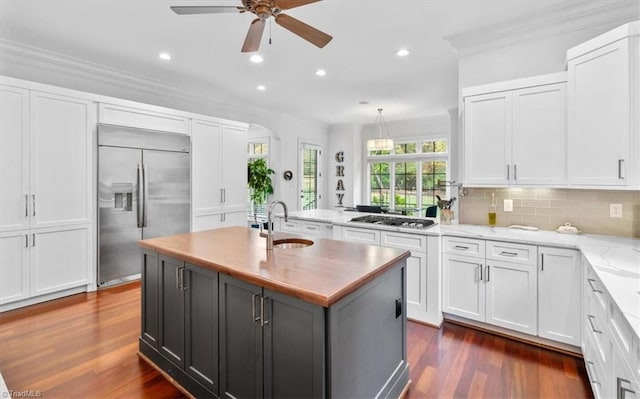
[(191, 10), (307, 32), (254, 36), (289, 4)]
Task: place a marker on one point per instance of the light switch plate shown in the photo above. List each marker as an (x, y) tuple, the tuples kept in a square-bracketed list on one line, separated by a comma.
[(508, 205), (615, 210)]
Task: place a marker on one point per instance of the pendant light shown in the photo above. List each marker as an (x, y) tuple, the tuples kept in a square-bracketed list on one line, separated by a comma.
[(380, 144)]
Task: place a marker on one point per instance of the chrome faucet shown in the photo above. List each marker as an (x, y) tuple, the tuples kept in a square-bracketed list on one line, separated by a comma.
[(269, 234)]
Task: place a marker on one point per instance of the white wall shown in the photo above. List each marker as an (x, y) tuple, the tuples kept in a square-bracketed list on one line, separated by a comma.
[(348, 139), (49, 68)]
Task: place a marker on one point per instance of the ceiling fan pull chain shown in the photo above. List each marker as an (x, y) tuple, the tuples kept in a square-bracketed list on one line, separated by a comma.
[(269, 31)]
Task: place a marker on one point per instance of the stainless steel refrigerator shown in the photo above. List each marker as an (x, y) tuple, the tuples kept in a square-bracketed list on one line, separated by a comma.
[(144, 191)]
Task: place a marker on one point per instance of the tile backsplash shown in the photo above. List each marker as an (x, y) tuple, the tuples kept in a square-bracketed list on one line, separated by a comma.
[(547, 209)]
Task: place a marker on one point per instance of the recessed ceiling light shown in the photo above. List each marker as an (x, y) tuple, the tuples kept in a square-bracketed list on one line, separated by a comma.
[(363, 102), (261, 88), (321, 72), (164, 56), (403, 52), (256, 58)]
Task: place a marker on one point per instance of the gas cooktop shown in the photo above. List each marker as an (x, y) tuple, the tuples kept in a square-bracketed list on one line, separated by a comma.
[(395, 221)]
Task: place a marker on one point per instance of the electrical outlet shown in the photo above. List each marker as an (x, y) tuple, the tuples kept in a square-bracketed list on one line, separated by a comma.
[(508, 205), (615, 210)]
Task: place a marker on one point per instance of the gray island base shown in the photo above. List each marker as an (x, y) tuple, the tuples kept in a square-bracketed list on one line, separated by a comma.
[(219, 330)]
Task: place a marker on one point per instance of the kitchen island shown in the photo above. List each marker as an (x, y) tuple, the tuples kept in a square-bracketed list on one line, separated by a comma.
[(224, 317)]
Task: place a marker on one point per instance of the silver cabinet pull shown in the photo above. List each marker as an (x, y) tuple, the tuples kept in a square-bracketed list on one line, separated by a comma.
[(505, 253), (182, 279), (26, 205), (253, 306), (177, 278), (488, 273), (515, 172), (33, 204), (263, 318), (541, 262), (620, 161), (592, 374), (26, 240), (480, 265), (33, 239), (593, 327), (508, 172), (222, 195), (622, 391), (593, 287), (462, 247)]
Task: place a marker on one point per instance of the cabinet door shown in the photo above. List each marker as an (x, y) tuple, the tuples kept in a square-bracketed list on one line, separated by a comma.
[(540, 135), (59, 259), (150, 298), (293, 348), (14, 153), (172, 317), (207, 186), (487, 139), (240, 339), (512, 296), (234, 166), (463, 286), (599, 116), (14, 266), (559, 293), (364, 236), (61, 168), (623, 382), (201, 352)]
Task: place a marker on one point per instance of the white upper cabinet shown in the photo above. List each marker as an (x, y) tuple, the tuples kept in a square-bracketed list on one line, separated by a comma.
[(219, 175), (487, 121), (604, 109), (540, 135), (61, 147), (14, 153), (515, 132), (46, 147), (144, 116)]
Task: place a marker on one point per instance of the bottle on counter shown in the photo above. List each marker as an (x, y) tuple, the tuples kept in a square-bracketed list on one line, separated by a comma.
[(492, 210)]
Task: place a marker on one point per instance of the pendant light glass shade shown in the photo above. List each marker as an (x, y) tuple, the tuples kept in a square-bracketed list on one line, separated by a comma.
[(380, 144)]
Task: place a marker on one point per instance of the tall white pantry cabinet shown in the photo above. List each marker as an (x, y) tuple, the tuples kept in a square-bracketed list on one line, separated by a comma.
[(46, 166)]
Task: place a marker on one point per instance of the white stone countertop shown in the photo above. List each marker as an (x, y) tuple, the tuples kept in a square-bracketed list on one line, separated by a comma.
[(616, 260)]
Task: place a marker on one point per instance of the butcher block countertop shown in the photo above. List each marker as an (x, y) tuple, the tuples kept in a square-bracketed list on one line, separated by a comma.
[(322, 273)]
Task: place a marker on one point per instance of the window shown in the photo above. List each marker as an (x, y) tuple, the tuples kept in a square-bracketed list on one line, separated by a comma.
[(258, 149), (408, 178)]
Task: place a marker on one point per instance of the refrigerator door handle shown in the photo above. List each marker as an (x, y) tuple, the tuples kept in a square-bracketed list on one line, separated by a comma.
[(140, 198), (145, 195)]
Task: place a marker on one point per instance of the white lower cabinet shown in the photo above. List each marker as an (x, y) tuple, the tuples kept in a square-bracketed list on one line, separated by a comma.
[(304, 228), (39, 262), (511, 296), (530, 289), (463, 286), (361, 235), (559, 293), (219, 220)]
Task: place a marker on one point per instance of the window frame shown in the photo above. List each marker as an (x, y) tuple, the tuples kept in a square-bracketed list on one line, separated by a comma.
[(419, 158)]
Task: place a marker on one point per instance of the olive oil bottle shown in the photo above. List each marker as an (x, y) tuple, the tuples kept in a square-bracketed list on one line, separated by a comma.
[(492, 210)]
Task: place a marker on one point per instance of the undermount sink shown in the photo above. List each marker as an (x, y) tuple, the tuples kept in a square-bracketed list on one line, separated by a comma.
[(290, 243)]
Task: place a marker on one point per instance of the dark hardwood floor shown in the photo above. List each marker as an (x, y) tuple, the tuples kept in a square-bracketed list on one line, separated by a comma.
[(84, 346)]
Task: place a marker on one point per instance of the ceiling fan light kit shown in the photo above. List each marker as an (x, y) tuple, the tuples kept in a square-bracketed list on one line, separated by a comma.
[(264, 9), (380, 144)]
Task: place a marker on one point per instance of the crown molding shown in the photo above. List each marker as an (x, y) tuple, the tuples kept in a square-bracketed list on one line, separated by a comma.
[(553, 21), (22, 55)]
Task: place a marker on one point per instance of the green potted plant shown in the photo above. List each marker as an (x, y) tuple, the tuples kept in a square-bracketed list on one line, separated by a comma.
[(259, 183)]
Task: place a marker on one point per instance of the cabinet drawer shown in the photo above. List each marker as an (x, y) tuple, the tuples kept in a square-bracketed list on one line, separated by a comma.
[(595, 369), (315, 229), (595, 328), (595, 289), (463, 246), (511, 252), (412, 242), (291, 226), (365, 236), (620, 330)]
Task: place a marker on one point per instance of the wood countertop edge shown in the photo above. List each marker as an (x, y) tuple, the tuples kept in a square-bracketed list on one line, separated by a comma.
[(305, 295)]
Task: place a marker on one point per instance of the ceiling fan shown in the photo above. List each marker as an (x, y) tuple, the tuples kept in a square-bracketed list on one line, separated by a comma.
[(264, 9)]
